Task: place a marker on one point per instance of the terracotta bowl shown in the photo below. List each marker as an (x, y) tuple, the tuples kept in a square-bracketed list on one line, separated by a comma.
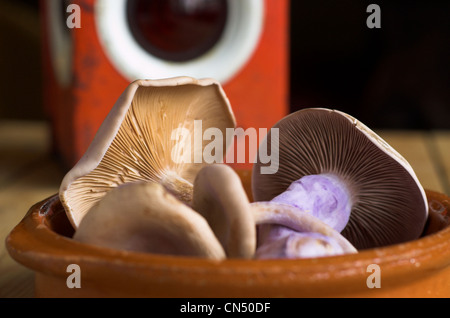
[(42, 242)]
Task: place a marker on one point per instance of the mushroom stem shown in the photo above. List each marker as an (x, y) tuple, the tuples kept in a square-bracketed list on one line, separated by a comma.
[(284, 242), (221, 199), (285, 231), (325, 196), (178, 186)]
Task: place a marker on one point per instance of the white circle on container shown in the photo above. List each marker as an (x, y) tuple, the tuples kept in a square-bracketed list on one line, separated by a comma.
[(231, 52)]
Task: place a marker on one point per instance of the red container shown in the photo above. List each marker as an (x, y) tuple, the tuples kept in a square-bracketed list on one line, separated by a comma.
[(87, 68)]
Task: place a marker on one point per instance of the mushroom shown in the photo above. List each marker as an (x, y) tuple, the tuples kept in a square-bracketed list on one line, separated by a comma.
[(286, 243), (220, 197), (339, 170), (324, 195), (285, 231), (138, 141), (145, 217)]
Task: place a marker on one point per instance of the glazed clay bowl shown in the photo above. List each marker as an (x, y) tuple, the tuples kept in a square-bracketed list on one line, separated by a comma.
[(42, 242)]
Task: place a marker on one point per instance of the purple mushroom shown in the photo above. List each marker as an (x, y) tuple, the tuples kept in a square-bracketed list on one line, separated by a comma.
[(338, 170), (285, 231), (324, 196), (292, 244)]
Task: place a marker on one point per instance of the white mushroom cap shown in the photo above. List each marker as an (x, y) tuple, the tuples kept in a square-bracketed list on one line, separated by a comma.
[(135, 141), (389, 203), (144, 217), (220, 197)]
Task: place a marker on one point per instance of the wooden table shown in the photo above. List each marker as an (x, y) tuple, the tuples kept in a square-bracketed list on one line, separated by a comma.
[(29, 174)]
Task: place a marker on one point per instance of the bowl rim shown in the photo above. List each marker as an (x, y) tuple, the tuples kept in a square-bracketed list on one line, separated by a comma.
[(35, 245)]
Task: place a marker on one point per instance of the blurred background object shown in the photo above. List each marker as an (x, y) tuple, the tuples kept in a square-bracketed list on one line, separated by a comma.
[(394, 77), (242, 44), (20, 61)]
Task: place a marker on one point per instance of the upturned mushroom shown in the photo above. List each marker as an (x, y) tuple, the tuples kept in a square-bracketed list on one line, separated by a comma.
[(339, 170), (136, 141), (220, 198), (145, 217), (285, 231)]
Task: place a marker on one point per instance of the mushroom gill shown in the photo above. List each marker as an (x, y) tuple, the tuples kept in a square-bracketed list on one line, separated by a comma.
[(136, 142)]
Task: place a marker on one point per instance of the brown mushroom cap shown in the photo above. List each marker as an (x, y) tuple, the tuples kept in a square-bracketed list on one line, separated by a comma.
[(135, 141), (144, 217), (389, 203), (220, 197)]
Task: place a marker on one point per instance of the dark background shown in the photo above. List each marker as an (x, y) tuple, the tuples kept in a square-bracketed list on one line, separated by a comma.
[(393, 77)]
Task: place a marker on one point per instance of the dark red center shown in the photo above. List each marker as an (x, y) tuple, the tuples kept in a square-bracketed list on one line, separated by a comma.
[(177, 30)]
